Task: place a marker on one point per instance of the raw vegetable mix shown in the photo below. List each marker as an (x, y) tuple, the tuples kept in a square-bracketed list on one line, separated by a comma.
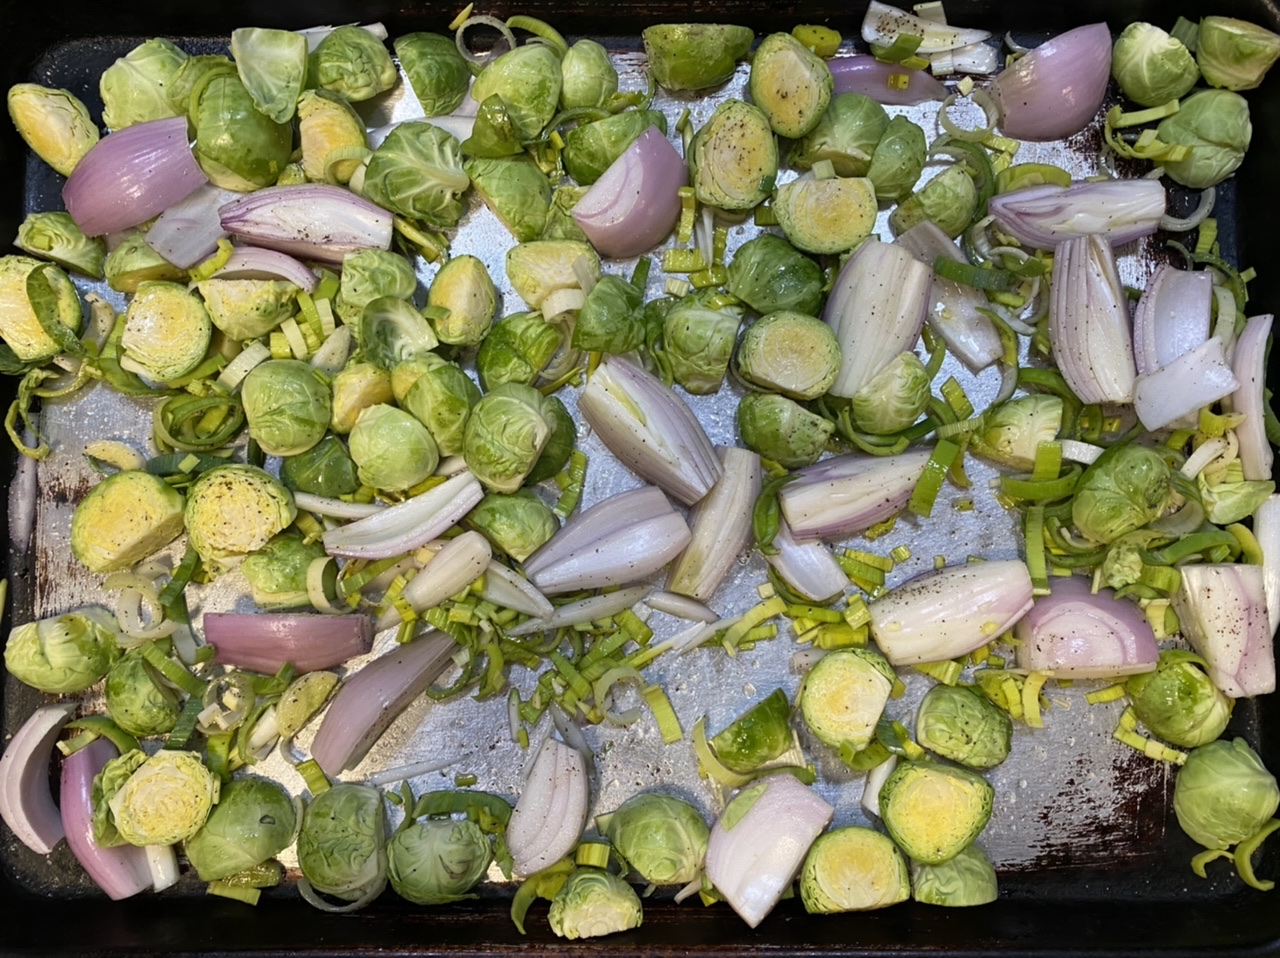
[(424, 432)]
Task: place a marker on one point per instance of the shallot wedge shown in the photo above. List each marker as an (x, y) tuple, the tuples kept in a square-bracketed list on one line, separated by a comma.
[(415, 522), (1089, 322), (121, 872), (808, 568), (457, 564), (721, 526), (1056, 89), (1075, 633), (26, 804), (1249, 363), (264, 641), (551, 812), (845, 495), (1223, 612), (1117, 210), (1172, 317)]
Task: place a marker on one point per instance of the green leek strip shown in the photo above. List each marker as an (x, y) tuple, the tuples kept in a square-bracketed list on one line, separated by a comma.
[(1244, 857), (715, 276), (539, 28), (185, 727), (719, 243), (640, 275), (1036, 562), (100, 726), (327, 288), (592, 855), (222, 889), (580, 686), (1110, 693), (1142, 117), (935, 471), (1207, 236), (602, 651), (313, 776), (1251, 551), (839, 635), (708, 764), (766, 514), (434, 247), (823, 41), (1198, 862), (765, 216), (1029, 490), (1149, 747), (683, 261), (1048, 462), (863, 760), (856, 614), (173, 672), (576, 479), (955, 396), (19, 408), (310, 315), (937, 350), (495, 678), (180, 578), (883, 563), (904, 46), (1193, 544), (977, 277), (814, 613), (900, 553), (688, 211), (1012, 690), (663, 713), (544, 884), (1031, 698), (1162, 578), (218, 754), (860, 571), (514, 652), (947, 672), (756, 615), (634, 626)]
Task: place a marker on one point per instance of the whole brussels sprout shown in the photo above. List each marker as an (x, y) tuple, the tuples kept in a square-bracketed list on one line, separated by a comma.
[(517, 523), (435, 69), (894, 398), (54, 123), (968, 879), (441, 398), (437, 861), (167, 330), (592, 903), (790, 83), (342, 847), (517, 350), (661, 837), (529, 80), (587, 76), (853, 869), (356, 387), (782, 430), (1012, 431), (898, 160), (234, 510), (238, 146), (843, 695), (190, 75), (464, 291), (1152, 67), (417, 171), (733, 160), (125, 518), (278, 573), (698, 342), (515, 190), (133, 262), (1215, 124), (20, 326), (1224, 794), (612, 318), (934, 811), (770, 275), (393, 331), (325, 469), (791, 353), (960, 723), (949, 201), (369, 274), (288, 405), (846, 134), (826, 216), (165, 800), (64, 654), (353, 63), (138, 699), (1178, 701), (330, 131), (505, 435), (694, 56), (253, 821), (591, 148), (134, 88), (758, 735), (248, 308), (391, 449), (1125, 488), (1234, 54), (538, 268), (272, 65)]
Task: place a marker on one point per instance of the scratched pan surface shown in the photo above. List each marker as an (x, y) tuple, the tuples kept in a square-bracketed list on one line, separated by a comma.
[(1089, 857)]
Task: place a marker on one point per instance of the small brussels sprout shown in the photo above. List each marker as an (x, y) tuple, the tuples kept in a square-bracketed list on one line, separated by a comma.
[(733, 159), (20, 325), (369, 274), (517, 523), (894, 398), (539, 268), (1012, 431), (661, 837), (593, 903), (591, 148), (1178, 701), (238, 146), (505, 435), (54, 123), (898, 160), (1224, 794), (273, 67), (442, 398), (968, 879), (791, 353), (437, 861), (517, 350), (949, 201), (791, 83), (1125, 488), (464, 290), (587, 76), (166, 800), (1235, 54), (248, 308), (853, 869), (698, 342), (353, 63), (782, 430), (934, 811), (138, 699), (234, 510), (393, 331), (769, 274), (418, 172), (959, 723), (846, 135), (528, 79), (694, 56), (758, 735), (356, 387), (342, 848), (288, 406), (515, 190), (1215, 124), (826, 216), (331, 136), (134, 88), (843, 695), (325, 469), (252, 822), (391, 449), (133, 262), (126, 517), (1152, 67), (278, 574), (435, 69), (612, 318), (64, 654)]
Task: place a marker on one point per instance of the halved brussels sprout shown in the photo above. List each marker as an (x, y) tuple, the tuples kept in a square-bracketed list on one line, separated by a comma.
[(20, 325), (273, 67), (393, 331), (782, 430), (353, 63), (138, 699), (960, 724), (505, 434), (517, 350), (437, 861), (791, 83), (769, 275), (1235, 54), (593, 903), (331, 136), (166, 330), (391, 449), (356, 387), (612, 318), (528, 79), (694, 56), (826, 216), (843, 695), (898, 160), (538, 268), (1012, 431), (587, 75), (278, 574), (1152, 67), (661, 837), (894, 398), (591, 148), (935, 811), (791, 353), (288, 406), (253, 821), (342, 848), (1125, 488), (846, 135), (125, 518), (435, 69), (1215, 124), (54, 123), (234, 510), (166, 800), (442, 397), (1224, 794), (517, 523), (733, 160), (65, 654), (417, 171), (698, 342), (134, 88), (758, 735), (1178, 701), (323, 470), (369, 274), (968, 879), (248, 308), (237, 145), (949, 201), (559, 447), (853, 869), (515, 190), (464, 290), (560, 223), (133, 262)]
